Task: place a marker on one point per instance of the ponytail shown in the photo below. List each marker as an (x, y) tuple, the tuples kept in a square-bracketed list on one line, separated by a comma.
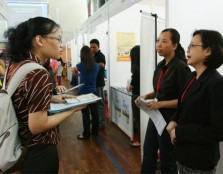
[(180, 53), (17, 46), (175, 38), (20, 37)]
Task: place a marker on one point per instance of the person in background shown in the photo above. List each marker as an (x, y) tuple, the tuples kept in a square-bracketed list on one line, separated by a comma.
[(54, 66), (2, 72), (197, 127), (74, 80), (169, 78), (99, 58), (64, 71), (55, 88), (60, 69), (36, 40), (134, 87), (88, 70)]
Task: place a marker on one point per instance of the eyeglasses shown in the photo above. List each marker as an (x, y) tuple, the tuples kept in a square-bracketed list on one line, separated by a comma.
[(56, 38), (194, 45)]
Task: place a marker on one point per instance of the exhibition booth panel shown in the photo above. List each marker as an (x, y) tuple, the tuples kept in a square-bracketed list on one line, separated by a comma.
[(121, 110), (127, 29), (118, 26)]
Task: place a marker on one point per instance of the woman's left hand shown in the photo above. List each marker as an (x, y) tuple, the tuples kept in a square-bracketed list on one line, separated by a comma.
[(129, 88), (60, 88), (170, 126), (154, 105), (173, 136), (61, 98)]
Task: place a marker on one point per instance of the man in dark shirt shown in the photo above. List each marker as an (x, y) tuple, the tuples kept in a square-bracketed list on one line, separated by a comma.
[(100, 83)]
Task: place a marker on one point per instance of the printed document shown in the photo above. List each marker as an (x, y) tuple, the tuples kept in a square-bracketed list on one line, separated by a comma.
[(75, 87), (155, 115), (80, 100)]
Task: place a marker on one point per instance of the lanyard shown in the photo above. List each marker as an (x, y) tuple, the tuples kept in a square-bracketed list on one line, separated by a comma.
[(191, 81), (161, 77)]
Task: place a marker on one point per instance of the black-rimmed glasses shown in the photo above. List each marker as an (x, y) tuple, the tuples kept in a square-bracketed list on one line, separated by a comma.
[(194, 45), (56, 38)]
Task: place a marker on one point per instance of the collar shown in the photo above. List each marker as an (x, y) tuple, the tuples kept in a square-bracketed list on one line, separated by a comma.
[(97, 53), (170, 64), (34, 58), (205, 75)]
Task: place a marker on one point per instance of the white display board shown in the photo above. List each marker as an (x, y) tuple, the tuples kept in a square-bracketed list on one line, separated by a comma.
[(120, 72), (121, 108), (147, 63), (187, 16)]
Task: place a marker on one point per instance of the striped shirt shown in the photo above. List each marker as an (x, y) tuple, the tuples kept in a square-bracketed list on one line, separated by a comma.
[(33, 94), (168, 81)]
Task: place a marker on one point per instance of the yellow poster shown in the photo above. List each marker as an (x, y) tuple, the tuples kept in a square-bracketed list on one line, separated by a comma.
[(125, 42)]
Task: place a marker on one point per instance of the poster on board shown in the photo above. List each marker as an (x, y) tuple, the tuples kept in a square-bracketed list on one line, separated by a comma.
[(125, 41)]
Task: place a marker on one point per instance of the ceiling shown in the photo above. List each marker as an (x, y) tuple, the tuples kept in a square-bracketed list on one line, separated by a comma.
[(69, 14)]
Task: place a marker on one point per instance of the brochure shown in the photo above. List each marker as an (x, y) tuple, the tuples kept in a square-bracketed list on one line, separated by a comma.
[(75, 87), (155, 115), (80, 100)]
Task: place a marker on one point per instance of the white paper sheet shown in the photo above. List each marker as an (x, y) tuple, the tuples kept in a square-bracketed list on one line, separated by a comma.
[(155, 115), (75, 87)]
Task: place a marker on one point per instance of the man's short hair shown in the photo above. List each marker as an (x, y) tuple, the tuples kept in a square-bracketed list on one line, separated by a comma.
[(95, 41)]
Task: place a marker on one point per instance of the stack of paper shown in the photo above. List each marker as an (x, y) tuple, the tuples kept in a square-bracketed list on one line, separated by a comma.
[(80, 100), (155, 115)]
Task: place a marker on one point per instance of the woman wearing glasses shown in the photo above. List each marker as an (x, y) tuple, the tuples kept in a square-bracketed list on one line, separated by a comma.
[(196, 128), (168, 80), (36, 40)]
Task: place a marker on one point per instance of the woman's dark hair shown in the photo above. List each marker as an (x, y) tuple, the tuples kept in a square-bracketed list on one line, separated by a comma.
[(175, 38), (87, 58), (135, 58), (50, 70), (213, 40), (20, 38), (47, 65)]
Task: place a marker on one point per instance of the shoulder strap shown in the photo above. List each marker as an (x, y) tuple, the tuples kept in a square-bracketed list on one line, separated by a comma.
[(20, 74)]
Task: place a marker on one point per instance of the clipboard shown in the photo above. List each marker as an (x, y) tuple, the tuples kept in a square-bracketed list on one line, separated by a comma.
[(81, 100)]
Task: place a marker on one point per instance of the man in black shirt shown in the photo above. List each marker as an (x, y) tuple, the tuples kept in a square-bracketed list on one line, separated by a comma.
[(100, 83)]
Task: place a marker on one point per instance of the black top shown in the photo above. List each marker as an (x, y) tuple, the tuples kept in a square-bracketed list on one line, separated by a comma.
[(172, 78), (99, 57), (135, 82), (200, 121), (135, 70)]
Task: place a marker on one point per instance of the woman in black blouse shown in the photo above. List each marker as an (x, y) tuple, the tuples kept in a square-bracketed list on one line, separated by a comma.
[(134, 87), (197, 127), (169, 77)]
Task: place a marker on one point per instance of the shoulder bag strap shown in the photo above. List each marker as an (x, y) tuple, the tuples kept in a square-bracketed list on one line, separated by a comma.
[(19, 75)]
